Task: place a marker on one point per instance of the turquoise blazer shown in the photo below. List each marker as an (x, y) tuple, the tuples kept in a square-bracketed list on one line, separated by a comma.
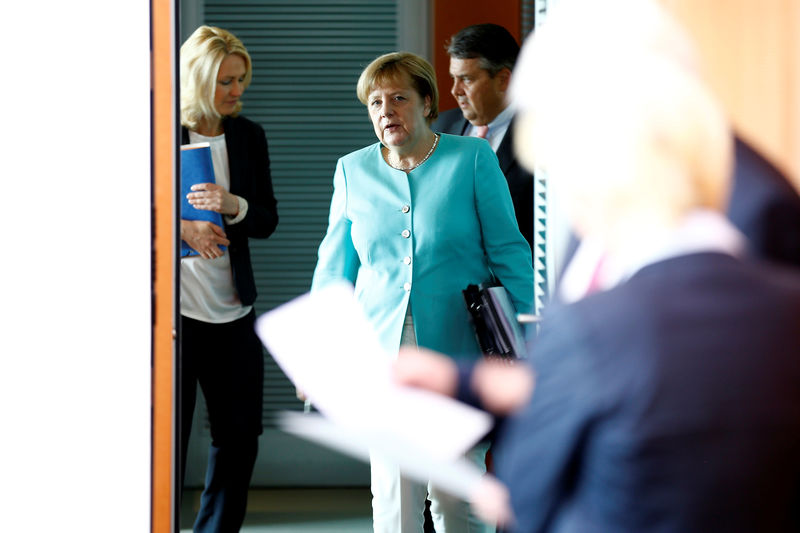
[(420, 238)]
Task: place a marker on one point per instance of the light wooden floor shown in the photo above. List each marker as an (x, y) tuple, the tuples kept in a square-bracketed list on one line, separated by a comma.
[(297, 511)]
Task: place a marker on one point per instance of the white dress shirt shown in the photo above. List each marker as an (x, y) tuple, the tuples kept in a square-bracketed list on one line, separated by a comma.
[(208, 292), (497, 128), (701, 231)]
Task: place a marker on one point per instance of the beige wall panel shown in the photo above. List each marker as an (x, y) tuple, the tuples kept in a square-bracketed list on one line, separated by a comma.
[(751, 52)]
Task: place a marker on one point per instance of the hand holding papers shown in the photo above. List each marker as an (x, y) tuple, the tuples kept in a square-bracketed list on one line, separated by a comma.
[(326, 347)]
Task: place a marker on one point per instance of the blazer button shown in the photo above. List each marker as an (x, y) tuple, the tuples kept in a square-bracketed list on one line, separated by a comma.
[(407, 260), (406, 234), (407, 286), (406, 209)]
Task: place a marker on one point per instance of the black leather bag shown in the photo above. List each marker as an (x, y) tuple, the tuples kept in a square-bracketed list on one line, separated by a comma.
[(495, 321)]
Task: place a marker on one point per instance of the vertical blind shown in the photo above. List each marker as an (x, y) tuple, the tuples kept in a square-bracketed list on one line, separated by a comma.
[(307, 56), (544, 243)]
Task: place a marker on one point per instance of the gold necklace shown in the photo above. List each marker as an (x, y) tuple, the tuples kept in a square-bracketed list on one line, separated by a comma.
[(408, 169)]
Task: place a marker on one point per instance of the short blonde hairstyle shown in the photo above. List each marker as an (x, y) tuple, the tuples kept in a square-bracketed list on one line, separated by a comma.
[(612, 104), (396, 67), (201, 56)]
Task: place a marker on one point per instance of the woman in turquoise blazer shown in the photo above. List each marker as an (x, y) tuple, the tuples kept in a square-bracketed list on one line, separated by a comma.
[(418, 216), (420, 237)]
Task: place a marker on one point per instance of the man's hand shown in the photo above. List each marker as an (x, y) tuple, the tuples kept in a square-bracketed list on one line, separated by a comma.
[(426, 369), (502, 387)]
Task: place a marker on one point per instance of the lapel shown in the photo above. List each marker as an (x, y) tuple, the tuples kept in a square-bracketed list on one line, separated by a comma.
[(505, 152), (233, 145)]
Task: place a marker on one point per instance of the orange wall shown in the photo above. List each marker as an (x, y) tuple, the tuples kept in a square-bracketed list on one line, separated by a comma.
[(752, 57), (164, 147), (449, 16)]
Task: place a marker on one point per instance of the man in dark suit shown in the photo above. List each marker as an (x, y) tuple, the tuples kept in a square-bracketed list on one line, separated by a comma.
[(667, 394), (481, 60)]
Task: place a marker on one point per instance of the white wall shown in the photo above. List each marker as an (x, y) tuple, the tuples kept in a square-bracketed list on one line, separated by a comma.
[(414, 27), (75, 193)]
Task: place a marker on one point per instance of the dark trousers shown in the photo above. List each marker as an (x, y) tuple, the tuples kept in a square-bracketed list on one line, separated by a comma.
[(227, 361)]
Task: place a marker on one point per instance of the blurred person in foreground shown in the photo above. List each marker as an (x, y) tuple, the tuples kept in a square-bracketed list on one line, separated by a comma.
[(667, 380), (219, 347), (414, 219)]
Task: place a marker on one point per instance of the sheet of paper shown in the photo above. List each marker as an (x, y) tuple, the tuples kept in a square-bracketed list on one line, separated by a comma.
[(459, 476), (327, 348)]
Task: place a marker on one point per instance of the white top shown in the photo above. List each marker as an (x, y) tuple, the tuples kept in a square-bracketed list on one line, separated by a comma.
[(497, 128), (701, 230), (207, 289)]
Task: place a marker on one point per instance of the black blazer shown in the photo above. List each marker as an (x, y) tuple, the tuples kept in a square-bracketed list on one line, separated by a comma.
[(520, 181), (248, 159), (670, 403)]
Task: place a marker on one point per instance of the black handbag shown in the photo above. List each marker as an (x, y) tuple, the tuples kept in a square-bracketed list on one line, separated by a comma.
[(495, 321)]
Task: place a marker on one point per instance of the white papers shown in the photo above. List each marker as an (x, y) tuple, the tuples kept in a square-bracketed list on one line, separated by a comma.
[(459, 476), (326, 347)]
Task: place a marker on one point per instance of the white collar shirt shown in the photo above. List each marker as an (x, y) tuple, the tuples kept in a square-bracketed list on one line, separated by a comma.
[(497, 128), (700, 231)]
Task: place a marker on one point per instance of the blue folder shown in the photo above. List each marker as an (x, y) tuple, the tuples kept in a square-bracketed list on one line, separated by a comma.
[(196, 167)]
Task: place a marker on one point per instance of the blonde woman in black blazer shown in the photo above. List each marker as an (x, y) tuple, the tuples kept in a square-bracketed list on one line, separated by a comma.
[(219, 348)]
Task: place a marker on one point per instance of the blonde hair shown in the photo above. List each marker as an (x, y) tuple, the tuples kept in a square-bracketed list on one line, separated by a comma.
[(201, 56), (613, 106), (396, 66)]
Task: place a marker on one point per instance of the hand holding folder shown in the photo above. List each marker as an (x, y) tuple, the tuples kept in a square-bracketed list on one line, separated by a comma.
[(196, 167), (497, 328)]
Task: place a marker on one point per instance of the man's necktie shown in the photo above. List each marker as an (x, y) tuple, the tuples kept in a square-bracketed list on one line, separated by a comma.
[(482, 131), (595, 284)]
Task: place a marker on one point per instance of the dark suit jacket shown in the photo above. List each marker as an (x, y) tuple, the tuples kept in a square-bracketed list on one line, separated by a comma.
[(765, 207), (670, 403), (248, 159), (520, 182)]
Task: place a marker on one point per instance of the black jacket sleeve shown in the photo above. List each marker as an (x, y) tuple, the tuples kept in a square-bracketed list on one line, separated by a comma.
[(249, 163)]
